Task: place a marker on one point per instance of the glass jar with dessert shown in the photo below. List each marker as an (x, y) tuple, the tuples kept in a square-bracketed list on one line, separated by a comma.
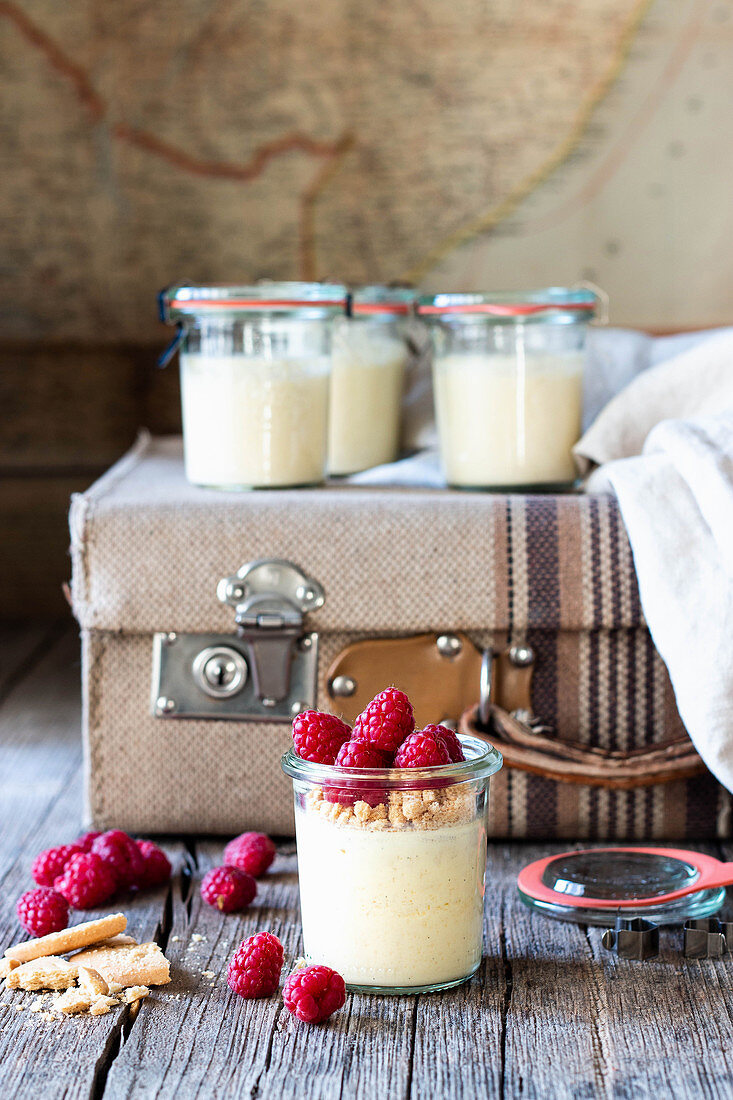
[(508, 385), (370, 353), (255, 370), (391, 836)]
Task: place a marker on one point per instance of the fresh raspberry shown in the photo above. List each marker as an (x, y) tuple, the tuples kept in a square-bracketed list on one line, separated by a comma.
[(228, 889), (357, 754), (318, 736), (314, 993), (422, 750), (156, 865), (386, 722), (254, 968), (250, 852), (122, 854), (47, 866), (87, 881), (449, 739), (86, 840), (42, 911)]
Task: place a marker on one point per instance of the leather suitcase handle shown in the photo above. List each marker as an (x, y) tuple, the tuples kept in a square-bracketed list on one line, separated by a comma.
[(572, 762)]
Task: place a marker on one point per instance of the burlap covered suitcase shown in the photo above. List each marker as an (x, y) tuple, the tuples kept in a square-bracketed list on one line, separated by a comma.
[(191, 672)]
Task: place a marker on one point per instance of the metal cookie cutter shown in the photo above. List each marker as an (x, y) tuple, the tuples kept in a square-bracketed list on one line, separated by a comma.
[(707, 938), (632, 939)]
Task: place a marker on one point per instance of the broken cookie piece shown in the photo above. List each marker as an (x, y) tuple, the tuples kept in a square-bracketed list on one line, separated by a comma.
[(92, 982), (73, 1001), (43, 973), (102, 1005), (6, 965), (142, 964), (135, 993), (60, 943)]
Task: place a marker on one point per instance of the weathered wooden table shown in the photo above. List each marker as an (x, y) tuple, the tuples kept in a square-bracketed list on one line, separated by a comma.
[(550, 1013)]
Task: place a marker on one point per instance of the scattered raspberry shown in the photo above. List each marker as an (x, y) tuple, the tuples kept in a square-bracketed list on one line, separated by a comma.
[(314, 993), (85, 842), (357, 754), (422, 750), (87, 881), (43, 911), (228, 889), (250, 852), (254, 968), (318, 736), (122, 854), (47, 866), (386, 722), (449, 739), (156, 865)]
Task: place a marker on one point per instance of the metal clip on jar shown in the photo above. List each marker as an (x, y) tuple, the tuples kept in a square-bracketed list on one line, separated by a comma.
[(508, 384), (369, 357), (255, 370)]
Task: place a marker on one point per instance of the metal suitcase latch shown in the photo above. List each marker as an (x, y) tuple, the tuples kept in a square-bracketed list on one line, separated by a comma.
[(265, 672)]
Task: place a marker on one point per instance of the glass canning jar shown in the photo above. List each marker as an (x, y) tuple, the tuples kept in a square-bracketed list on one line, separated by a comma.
[(508, 385), (255, 368), (391, 866), (370, 353)]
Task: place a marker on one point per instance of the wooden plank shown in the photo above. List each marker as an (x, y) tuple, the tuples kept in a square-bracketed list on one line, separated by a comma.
[(40, 803), (80, 405), (34, 549)]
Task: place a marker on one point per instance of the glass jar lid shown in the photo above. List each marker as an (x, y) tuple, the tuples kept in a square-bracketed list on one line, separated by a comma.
[(313, 300), (382, 301), (564, 304)]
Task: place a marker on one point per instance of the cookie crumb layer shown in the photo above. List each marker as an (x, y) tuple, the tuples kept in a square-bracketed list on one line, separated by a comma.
[(416, 809)]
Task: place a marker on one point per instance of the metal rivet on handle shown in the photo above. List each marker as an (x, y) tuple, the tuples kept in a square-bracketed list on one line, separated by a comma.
[(449, 645), (163, 705), (170, 638), (298, 707), (521, 655), (343, 686)]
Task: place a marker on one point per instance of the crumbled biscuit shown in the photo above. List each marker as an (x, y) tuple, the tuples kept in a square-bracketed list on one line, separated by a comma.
[(102, 1005), (197, 937), (142, 964), (61, 943), (417, 809), (6, 965), (115, 987), (38, 1004), (135, 993), (43, 973), (73, 1001), (93, 982), (123, 940)]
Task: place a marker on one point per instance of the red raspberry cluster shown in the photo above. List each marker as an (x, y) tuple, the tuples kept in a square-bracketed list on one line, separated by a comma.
[(384, 736), (312, 993), (86, 874)]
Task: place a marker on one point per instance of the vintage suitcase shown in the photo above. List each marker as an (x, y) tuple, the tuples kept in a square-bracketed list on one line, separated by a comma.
[(193, 663)]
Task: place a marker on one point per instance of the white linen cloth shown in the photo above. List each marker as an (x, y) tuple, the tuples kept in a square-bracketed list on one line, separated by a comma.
[(664, 445), (660, 412)]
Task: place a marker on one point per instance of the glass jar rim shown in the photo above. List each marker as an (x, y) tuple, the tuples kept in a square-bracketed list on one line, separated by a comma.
[(185, 300), (483, 762), (572, 303), (382, 300)]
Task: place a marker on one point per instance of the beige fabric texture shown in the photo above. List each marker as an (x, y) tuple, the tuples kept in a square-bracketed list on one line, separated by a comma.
[(148, 550)]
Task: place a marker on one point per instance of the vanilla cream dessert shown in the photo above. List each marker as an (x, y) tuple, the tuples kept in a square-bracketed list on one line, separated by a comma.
[(508, 420), (392, 895), (256, 422), (366, 394)]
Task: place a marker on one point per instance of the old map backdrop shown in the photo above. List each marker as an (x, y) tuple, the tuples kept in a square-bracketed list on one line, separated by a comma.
[(457, 143)]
